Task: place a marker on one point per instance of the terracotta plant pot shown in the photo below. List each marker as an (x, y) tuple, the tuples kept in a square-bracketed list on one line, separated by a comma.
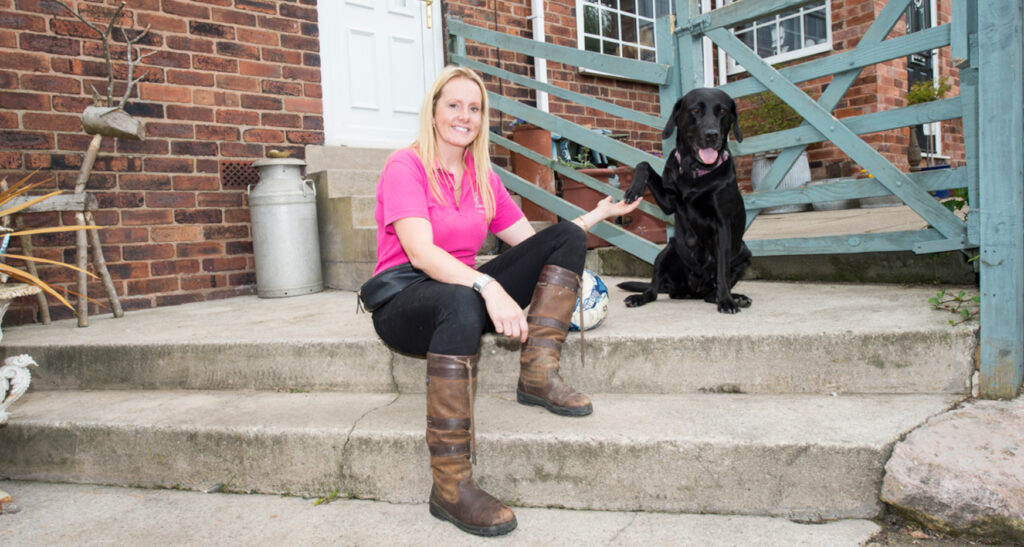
[(538, 140), (585, 198), (637, 222)]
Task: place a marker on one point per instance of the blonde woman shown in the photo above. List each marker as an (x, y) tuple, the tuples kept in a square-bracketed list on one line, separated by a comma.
[(436, 201)]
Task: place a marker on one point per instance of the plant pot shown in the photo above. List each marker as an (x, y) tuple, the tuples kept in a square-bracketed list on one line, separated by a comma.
[(537, 140), (585, 198), (798, 175), (638, 222)]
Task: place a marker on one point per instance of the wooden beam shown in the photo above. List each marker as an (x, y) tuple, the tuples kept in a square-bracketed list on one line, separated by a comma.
[(64, 202)]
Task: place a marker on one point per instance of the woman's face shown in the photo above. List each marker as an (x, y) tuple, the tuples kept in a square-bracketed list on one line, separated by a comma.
[(457, 114)]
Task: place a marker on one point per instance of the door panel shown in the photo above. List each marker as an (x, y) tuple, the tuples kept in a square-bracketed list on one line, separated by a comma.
[(377, 59)]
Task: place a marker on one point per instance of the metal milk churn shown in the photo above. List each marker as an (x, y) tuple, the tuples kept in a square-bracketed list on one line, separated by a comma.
[(282, 207)]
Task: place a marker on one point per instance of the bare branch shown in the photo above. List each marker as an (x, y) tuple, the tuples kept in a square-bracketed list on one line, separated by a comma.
[(80, 18), (113, 18)]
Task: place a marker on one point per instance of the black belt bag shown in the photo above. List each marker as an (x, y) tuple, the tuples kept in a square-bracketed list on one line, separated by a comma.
[(381, 288)]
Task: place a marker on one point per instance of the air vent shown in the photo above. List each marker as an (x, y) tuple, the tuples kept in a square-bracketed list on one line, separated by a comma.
[(238, 174)]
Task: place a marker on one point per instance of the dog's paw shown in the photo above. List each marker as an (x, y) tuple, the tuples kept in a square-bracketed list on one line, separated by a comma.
[(728, 306), (632, 195), (635, 300), (742, 301)]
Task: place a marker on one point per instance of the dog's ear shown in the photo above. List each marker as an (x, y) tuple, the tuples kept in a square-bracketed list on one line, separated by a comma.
[(671, 125), (735, 121)]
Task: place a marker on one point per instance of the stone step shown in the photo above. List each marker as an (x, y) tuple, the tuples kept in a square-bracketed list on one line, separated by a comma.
[(803, 457), (120, 516), (323, 157), (796, 338), (342, 183)]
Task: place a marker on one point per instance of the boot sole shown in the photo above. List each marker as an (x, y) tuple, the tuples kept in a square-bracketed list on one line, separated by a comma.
[(533, 400), (486, 531)]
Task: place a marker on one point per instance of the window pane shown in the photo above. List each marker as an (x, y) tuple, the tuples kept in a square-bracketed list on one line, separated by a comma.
[(629, 52), (790, 34), (664, 7), (592, 44), (646, 34), (628, 6), (646, 8), (814, 28), (611, 48), (610, 3), (747, 38), (766, 41), (590, 21), (609, 24), (628, 29), (647, 55)]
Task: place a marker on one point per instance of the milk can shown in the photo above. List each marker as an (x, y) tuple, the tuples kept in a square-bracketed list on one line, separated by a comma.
[(284, 230)]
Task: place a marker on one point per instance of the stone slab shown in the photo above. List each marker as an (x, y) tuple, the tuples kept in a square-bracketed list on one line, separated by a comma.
[(796, 338), (803, 457), (61, 514)]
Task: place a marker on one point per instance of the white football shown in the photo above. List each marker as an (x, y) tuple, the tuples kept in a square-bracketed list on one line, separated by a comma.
[(594, 299)]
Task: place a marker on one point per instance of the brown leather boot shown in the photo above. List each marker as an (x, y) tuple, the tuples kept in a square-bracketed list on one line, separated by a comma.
[(548, 317), (455, 496)]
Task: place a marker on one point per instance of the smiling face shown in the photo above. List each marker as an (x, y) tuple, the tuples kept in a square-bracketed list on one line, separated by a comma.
[(458, 114)]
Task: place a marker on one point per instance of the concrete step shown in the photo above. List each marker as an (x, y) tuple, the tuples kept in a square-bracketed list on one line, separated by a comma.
[(322, 158), (804, 457), (342, 183), (120, 516), (796, 338)]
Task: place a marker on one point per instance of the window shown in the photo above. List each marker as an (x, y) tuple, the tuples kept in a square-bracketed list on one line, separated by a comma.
[(798, 33), (624, 28)]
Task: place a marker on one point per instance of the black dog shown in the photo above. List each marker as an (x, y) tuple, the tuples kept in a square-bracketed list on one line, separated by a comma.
[(706, 255)]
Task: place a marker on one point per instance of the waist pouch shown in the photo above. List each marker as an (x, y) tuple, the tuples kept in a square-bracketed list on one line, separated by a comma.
[(381, 288)]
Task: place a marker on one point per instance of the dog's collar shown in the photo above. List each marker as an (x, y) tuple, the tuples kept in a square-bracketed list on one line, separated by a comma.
[(701, 172)]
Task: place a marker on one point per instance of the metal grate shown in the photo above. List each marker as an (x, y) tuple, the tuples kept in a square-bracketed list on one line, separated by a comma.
[(238, 174)]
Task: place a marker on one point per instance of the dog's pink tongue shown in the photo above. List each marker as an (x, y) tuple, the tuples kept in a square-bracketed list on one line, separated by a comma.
[(708, 155)]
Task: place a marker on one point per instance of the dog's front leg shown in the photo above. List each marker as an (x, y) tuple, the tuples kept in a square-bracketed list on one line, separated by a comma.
[(644, 173), (723, 262)]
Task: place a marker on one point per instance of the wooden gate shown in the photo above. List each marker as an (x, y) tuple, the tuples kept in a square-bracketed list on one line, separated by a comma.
[(985, 41)]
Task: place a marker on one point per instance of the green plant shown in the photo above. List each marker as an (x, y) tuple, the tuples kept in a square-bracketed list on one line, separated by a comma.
[(925, 91), (7, 208), (766, 113), (960, 304), (326, 499)]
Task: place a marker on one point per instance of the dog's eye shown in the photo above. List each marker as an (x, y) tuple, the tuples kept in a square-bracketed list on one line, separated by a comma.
[(694, 111)]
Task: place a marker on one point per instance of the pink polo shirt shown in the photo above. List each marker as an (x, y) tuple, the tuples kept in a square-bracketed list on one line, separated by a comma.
[(404, 191)]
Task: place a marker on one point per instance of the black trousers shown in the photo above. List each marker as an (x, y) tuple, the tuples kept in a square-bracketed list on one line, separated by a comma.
[(449, 319)]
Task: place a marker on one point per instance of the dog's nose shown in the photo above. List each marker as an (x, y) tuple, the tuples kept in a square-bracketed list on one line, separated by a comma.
[(711, 138)]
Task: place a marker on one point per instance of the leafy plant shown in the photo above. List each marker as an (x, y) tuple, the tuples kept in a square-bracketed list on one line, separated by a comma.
[(767, 113), (960, 304), (7, 208), (925, 91), (326, 499)]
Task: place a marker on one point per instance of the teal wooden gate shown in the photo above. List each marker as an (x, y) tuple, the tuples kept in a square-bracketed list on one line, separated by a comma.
[(985, 40)]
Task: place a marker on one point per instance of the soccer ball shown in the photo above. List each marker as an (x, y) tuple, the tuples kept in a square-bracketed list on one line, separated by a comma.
[(594, 299)]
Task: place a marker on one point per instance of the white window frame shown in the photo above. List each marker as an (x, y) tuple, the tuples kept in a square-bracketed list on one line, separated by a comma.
[(581, 36), (731, 67)]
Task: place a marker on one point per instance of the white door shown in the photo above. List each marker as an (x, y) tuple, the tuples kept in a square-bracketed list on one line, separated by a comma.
[(377, 58)]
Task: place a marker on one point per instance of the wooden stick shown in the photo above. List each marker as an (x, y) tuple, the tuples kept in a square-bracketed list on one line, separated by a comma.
[(26, 246), (100, 263), (82, 245), (87, 162)]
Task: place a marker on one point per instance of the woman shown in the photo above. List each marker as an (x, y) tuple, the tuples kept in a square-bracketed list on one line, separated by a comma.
[(436, 200)]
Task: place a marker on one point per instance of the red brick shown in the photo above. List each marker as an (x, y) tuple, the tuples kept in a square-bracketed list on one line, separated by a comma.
[(51, 122), (185, 77), (313, 91), (173, 130), (281, 88), (260, 102), (190, 43), (234, 17), (148, 252), (193, 148), (158, 22), (238, 231), (238, 117), (8, 80), (307, 74), (196, 182), (296, 12), (216, 64), (9, 120), (193, 113), (207, 165), (242, 51), (221, 199), (301, 43), (279, 24), (187, 9), (127, 270), (198, 216), (199, 282), (254, 5), (263, 135), (24, 101), (208, 97), (224, 264), (244, 278), (239, 150), (10, 160), (119, 200), (293, 121), (238, 247), (24, 140), (170, 59), (146, 217), (27, 62), (237, 83), (158, 200), (169, 165), (153, 285), (216, 133), (263, 70), (50, 44), (176, 233), (175, 267), (50, 84), (205, 248), (164, 93), (285, 56), (298, 104), (22, 21), (260, 37)]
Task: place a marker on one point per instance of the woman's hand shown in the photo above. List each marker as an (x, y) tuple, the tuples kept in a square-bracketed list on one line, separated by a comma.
[(605, 209), (507, 316)]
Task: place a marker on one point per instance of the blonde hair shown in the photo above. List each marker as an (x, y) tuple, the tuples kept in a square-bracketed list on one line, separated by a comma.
[(426, 143)]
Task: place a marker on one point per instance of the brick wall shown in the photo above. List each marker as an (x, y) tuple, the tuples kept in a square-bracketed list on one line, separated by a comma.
[(230, 80)]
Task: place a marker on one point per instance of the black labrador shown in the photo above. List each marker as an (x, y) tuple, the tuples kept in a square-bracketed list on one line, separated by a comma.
[(706, 256)]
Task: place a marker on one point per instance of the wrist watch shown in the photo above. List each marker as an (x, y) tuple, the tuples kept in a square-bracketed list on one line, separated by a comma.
[(482, 282)]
